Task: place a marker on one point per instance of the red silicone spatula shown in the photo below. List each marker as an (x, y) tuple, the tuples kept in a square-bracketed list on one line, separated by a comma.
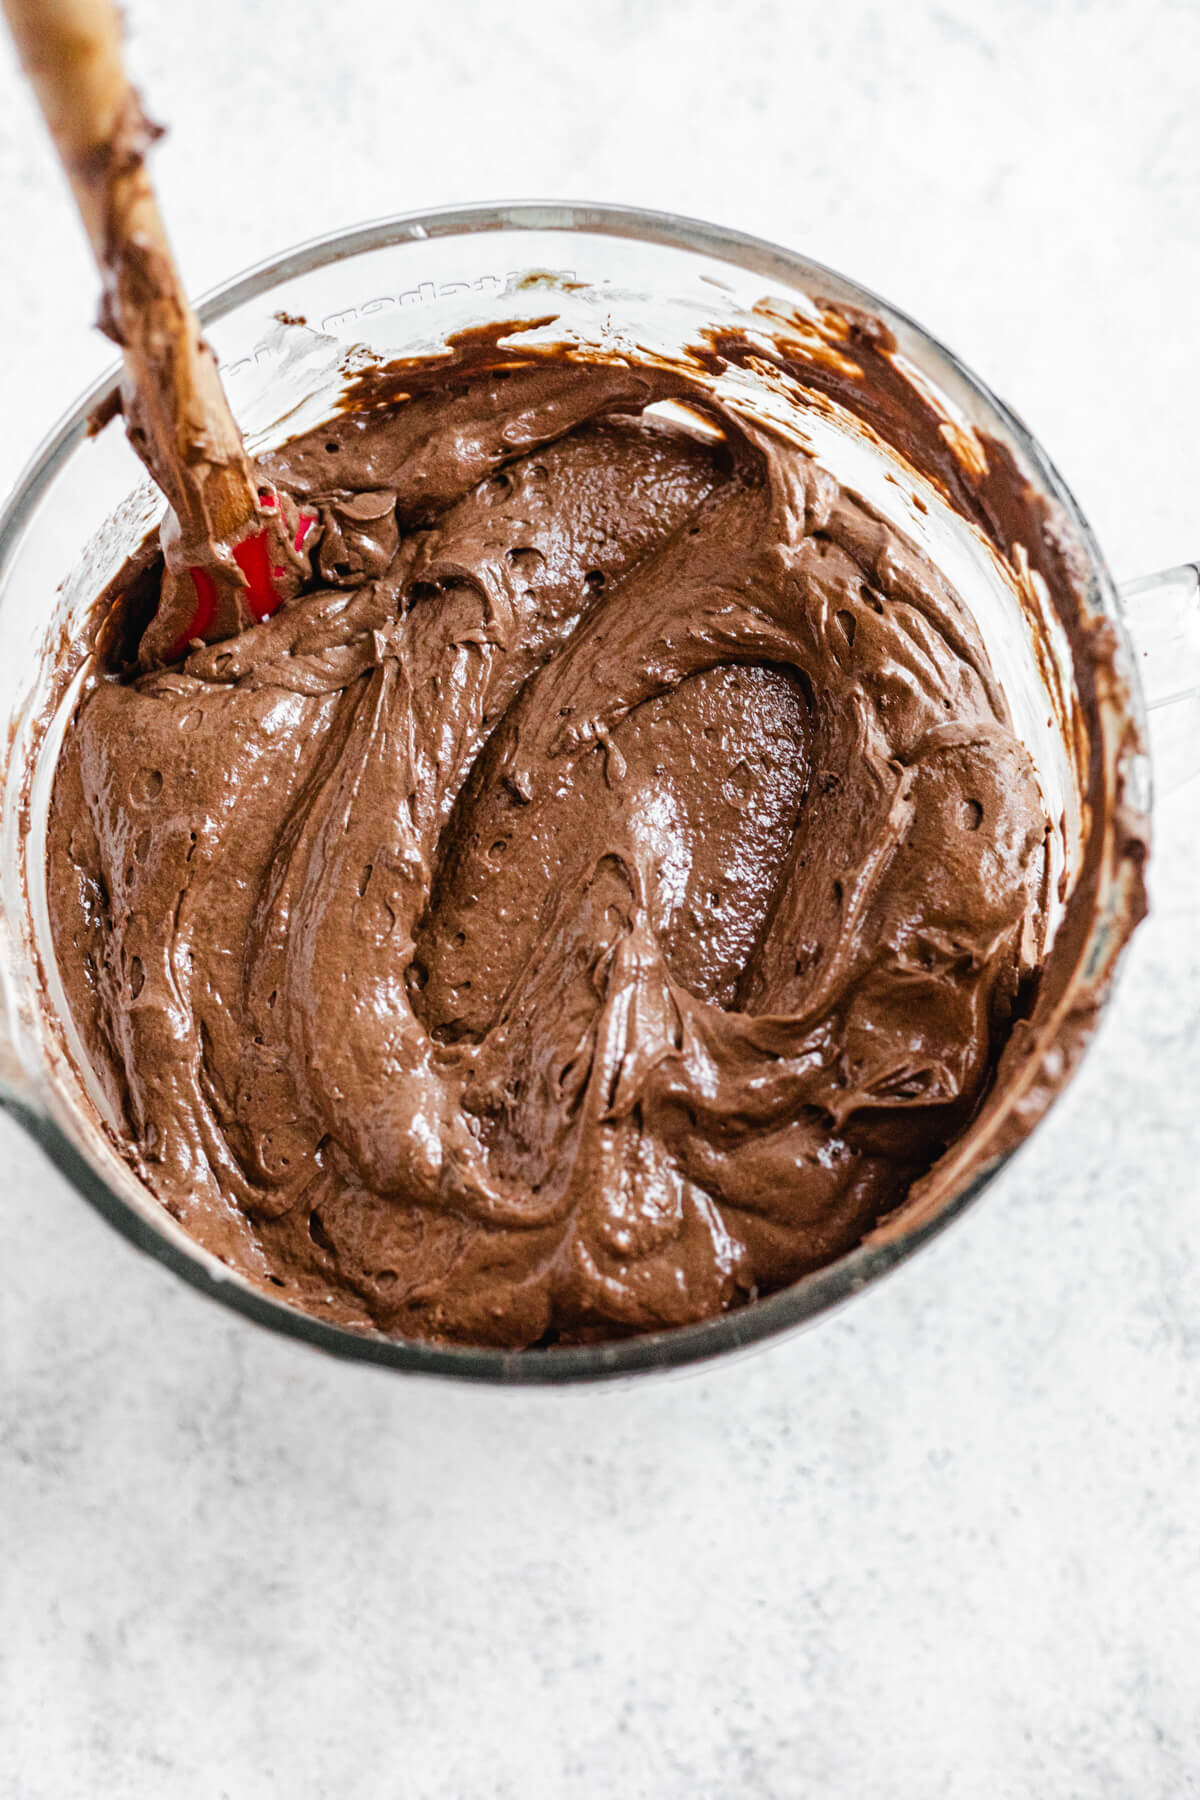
[(234, 547)]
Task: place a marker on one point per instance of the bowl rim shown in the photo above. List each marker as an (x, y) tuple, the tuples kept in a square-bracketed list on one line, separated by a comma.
[(813, 1296)]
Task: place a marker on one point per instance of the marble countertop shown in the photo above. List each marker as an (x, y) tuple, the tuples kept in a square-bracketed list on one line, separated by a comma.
[(947, 1545)]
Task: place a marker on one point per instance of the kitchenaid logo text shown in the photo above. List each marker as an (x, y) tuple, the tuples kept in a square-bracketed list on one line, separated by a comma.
[(426, 293)]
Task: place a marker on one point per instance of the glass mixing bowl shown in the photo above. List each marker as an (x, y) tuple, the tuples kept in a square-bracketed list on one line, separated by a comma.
[(288, 335)]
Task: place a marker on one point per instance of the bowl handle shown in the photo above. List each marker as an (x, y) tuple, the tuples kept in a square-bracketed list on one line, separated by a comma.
[(1163, 615)]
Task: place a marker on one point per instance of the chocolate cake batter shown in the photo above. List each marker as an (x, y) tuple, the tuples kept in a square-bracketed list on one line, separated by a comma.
[(590, 906)]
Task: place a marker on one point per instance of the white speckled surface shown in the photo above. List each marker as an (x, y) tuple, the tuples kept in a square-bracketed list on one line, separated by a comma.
[(945, 1547)]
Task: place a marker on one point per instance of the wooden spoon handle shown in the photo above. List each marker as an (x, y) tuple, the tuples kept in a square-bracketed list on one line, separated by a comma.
[(176, 411)]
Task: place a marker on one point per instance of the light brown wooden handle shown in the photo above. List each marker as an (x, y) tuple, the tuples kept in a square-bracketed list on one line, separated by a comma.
[(176, 411), (71, 52)]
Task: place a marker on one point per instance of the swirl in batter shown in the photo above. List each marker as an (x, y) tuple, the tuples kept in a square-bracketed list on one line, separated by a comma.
[(590, 908)]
